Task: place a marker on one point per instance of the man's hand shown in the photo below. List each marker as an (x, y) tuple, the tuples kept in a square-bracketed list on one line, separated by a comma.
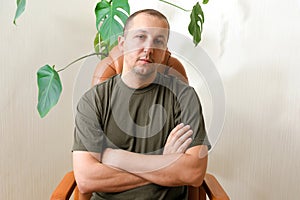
[(163, 169), (179, 139)]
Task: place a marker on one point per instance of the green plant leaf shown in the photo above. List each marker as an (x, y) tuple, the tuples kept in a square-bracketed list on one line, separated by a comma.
[(205, 1), (110, 19), (50, 88), (194, 28), (97, 43), (100, 46), (20, 9)]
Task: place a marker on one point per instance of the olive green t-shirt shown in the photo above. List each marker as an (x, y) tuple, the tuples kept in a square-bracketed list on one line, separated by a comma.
[(138, 120)]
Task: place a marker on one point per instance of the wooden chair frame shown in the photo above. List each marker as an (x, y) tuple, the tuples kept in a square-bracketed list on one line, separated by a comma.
[(210, 187)]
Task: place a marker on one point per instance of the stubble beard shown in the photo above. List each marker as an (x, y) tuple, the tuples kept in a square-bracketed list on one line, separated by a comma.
[(143, 73)]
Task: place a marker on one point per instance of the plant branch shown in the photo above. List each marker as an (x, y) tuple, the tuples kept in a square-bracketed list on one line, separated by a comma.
[(92, 54), (175, 5)]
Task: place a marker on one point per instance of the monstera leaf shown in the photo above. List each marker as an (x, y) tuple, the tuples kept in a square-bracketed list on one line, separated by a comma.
[(205, 1), (110, 19), (20, 9), (50, 88), (101, 46), (194, 28)]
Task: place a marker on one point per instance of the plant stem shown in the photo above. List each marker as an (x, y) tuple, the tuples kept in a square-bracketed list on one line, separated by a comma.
[(92, 54), (175, 5)]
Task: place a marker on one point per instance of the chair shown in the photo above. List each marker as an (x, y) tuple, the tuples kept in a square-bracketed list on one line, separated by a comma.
[(110, 66), (210, 187)]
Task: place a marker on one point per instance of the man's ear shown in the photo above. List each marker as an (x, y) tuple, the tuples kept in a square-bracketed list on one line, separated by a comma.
[(121, 43)]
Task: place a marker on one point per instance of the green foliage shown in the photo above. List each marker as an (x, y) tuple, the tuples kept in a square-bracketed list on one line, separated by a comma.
[(20, 9), (50, 88), (101, 46), (97, 43), (110, 19), (194, 28)]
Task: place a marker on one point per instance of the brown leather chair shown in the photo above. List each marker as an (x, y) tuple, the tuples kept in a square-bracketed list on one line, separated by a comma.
[(113, 64), (110, 66)]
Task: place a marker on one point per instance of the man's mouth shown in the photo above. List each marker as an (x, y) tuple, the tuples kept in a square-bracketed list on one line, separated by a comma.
[(145, 60)]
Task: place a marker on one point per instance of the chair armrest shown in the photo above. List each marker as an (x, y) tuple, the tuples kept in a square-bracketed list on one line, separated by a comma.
[(213, 188), (65, 188), (210, 184)]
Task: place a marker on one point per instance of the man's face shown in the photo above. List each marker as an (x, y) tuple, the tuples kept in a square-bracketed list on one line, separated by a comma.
[(144, 44)]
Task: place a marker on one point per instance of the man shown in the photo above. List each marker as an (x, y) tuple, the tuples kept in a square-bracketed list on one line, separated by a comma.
[(140, 135)]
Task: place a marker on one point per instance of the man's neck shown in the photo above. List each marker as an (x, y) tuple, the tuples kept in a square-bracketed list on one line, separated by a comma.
[(137, 81)]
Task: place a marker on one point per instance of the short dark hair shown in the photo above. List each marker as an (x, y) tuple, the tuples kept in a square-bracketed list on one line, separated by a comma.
[(151, 12)]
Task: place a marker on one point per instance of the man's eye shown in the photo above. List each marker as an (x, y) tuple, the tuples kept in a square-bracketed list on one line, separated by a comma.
[(140, 36), (158, 42)]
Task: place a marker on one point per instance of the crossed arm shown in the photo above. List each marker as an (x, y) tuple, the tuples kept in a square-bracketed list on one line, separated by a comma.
[(118, 170)]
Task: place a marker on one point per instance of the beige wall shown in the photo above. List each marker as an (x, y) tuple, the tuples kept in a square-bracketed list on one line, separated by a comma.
[(254, 45), (35, 153)]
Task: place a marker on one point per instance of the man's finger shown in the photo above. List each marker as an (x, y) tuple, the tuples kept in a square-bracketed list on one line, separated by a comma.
[(182, 131), (183, 139), (184, 146), (172, 136), (178, 127)]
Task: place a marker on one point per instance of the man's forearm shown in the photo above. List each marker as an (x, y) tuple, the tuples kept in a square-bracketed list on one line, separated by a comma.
[(91, 176), (168, 170)]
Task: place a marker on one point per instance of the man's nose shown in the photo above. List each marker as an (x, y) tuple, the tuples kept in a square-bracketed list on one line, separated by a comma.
[(148, 46), (148, 51)]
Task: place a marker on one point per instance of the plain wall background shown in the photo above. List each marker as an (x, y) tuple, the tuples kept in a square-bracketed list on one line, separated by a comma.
[(255, 46)]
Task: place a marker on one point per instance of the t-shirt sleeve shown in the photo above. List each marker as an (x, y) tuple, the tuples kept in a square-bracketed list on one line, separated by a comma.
[(191, 114), (88, 134)]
